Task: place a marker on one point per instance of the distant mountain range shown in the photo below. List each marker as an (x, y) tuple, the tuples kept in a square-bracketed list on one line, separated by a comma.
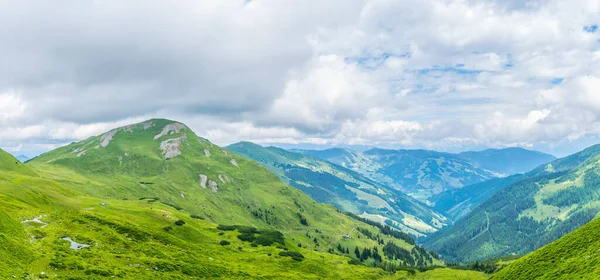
[(23, 158), (528, 212), (423, 174), (329, 183)]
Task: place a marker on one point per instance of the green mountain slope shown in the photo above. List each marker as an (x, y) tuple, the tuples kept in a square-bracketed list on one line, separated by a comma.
[(10, 163), (574, 256), (419, 173), (528, 213), (147, 200), (509, 160), (344, 188), (457, 203)]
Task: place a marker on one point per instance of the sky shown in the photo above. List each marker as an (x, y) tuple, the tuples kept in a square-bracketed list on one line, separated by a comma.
[(438, 74)]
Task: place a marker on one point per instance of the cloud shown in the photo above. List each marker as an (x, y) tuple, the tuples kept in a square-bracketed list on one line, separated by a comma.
[(435, 74)]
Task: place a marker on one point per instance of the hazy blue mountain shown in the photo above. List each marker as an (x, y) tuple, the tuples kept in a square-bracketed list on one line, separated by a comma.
[(348, 190), (420, 173), (23, 158), (508, 161), (544, 205)]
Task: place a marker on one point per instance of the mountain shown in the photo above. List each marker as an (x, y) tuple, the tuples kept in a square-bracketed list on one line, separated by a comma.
[(549, 202), (457, 203), (574, 256), (419, 173), (329, 183), (509, 160), (23, 158), (9, 163), (153, 200)]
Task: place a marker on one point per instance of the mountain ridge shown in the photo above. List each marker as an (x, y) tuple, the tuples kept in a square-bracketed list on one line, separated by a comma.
[(549, 202), (348, 190)]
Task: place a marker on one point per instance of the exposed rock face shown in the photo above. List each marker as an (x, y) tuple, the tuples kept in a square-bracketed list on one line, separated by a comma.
[(234, 163), (213, 186), (223, 178), (171, 147), (225, 152), (207, 152), (171, 128), (203, 179), (148, 124), (107, 137)]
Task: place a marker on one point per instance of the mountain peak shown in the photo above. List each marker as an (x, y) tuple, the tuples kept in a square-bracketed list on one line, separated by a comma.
[(160, 139)]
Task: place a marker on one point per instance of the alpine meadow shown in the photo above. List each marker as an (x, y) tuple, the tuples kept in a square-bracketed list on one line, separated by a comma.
[(257, 139)]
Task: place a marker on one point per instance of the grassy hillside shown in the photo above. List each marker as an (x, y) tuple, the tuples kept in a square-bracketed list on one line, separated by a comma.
[(147, 201), (509, 160), (346, 189), (574, 256), (527, 214), (10, 163), (419, 173), (457, 203)]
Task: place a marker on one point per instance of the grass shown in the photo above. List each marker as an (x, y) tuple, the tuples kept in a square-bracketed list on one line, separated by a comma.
[(574, 256)]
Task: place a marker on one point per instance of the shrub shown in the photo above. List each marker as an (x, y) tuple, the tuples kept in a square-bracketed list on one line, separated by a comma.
[(179, 223), (247, 236), (168, 228), (224, 242), (268, 237), (196, 217), (297, 256), (354, 262)]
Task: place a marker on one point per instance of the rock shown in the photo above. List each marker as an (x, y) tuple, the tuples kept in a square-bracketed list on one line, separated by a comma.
[(213, 186), (232, 161), (171, 147), (107, 137), (203, 179), (207, 152), (171, 128)]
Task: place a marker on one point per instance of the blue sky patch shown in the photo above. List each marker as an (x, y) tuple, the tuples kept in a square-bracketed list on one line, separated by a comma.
[(557, 81), (591, 28)]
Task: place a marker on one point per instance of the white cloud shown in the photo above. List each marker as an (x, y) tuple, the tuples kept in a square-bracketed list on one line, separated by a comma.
[(436, 74)]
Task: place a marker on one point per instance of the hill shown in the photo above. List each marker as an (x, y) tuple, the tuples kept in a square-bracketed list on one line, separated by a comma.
[(574, 256), (153, 200), (509, 160), (419, 173), (10, 163), (546, 204), (457, 203), (344, 188)]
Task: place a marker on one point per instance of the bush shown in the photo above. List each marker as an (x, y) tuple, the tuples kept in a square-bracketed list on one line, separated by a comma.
[(179, 223), (247, 236), (297, 256), (196, 217), (268, 237), (226, 228), (168, 228), (224, 242), (354, 262)]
